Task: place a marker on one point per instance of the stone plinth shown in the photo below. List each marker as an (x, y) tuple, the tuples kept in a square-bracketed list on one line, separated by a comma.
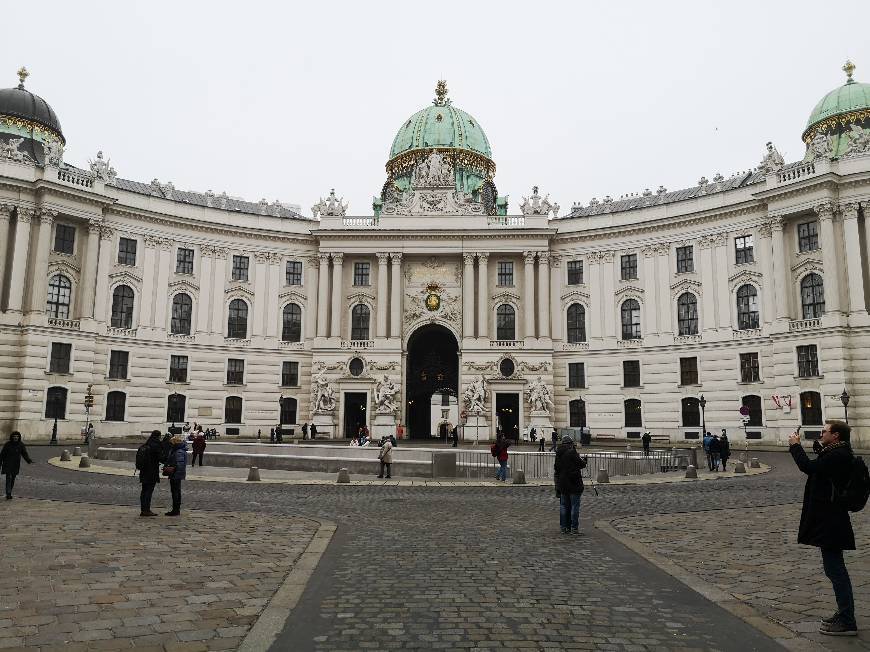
[(384, 425), (325, 422), (444, 464), (542, 422), (476, 428)]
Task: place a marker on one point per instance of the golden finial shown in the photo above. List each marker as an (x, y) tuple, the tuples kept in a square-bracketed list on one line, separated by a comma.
[(22, 75), (849, 68), (441, 93)]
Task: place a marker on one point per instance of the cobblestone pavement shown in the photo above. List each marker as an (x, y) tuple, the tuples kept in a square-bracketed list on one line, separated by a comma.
[(473, 568)]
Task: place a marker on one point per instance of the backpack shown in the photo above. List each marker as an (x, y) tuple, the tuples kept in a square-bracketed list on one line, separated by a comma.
[(855, 492), (142, 457), (493, 450)]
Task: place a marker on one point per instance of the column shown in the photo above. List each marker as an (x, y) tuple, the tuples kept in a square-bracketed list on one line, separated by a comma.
[(396, 295), (528, 306), (261, 292), (723, 295), (5, 217), (322, 293), (765, 256), (608, 272), (161, 299), (89, 270), (556, 296), (19, 258), (274, 279), (381, 320), (665, 303), (39, 271), (708, 287), (149, 280), (468, 295), (825, 212), (337, 292), (310, 281), (543, 294), (482, 295), (203, 306), (854, 265), (218, 303), (594, 317), (107, 236), (780, 269), (650, 318)]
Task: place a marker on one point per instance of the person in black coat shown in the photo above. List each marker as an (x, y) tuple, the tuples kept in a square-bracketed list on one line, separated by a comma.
[(646, 440), (825, 524), (724, 449), (10, 460), (567, 474), (149, 474)]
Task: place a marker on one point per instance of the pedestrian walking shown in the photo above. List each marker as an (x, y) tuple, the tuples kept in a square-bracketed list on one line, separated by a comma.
[(313, 431), (645, 440), (305, 430), (554, 440), (175, 469), (568, 477), (707, 439), (271, 435), (148, 464), (198, 446), (541, 443), (499, 450), (454, 433), (385, 455), (259, 433), (724, 449), (10, 460), (825, 522), (715, 451)]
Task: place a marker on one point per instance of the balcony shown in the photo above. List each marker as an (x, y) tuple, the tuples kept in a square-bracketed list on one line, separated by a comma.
[(72, 324), (357, 344), (575, 346), (291, 345), (179, 337), (505, 344), (686, 339), (746, 334), (121, 332), (797, 325), (630, 344)]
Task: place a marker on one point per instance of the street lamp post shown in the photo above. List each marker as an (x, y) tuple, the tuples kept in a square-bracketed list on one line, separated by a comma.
[(703, 403), (844, 399), (279, 436), (53, 441)]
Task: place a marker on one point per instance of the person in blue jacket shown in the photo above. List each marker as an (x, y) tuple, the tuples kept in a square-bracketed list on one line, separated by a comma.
[(175, 469)]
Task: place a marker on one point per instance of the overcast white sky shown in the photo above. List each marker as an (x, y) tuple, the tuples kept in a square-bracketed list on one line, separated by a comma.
[(286, 101)]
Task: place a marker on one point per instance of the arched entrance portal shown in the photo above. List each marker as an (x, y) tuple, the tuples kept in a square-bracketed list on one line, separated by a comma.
[(432, 367)]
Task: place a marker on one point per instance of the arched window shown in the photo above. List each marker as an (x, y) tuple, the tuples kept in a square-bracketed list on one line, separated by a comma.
[(55, 403), (633, 418), (182, 308), (687, 314), (691, 411), (175, 404), (59, 294), (812, 296), (233, 409), (359, 322), (237, 321), (576, 323), (811, 409), (505, 322), (122, 307), (754, 404), (288, 410), (577, 413), (747, 307), (630, 320), (116, 406), (291, 329)]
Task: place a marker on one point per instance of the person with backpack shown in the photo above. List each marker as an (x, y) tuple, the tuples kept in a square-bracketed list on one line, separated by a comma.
[(198, 447), (499, 450), (148, 458), (707, 439), (385, 455), (724, 449), (567, 475), (175, 468), (837, 482), (715, 452), (10, 460)]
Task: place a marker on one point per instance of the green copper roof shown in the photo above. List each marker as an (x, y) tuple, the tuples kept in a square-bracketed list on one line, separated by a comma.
[(441, 126), (851, 96)]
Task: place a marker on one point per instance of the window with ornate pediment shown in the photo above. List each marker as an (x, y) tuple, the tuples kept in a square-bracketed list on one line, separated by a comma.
[(576, 331), (237, 320), (687, 314), (291, 327), (505, 322), (747, 307), (360, 318), (59, 296), (182, 310), (812, 296), (122, 307), (630, 319)]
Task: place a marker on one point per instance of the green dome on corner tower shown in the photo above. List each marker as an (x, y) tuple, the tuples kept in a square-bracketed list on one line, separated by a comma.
[(838, 115)]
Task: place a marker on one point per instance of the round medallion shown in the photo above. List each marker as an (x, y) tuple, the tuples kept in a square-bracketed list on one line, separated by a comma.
[(507, 368), (356, 367), (433, 302)]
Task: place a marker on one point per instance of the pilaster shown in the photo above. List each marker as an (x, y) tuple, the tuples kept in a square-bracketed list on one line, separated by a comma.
[(39, 271), (381, 315), (396, 295), (830, 258), (322, 293), (88, 281), (543, 294), (203, 306), (337, 293), (555, 302), (107, 235), (482, 295), (854, 263), (19, 258), (468, 295), (310, 283), (528, 307)]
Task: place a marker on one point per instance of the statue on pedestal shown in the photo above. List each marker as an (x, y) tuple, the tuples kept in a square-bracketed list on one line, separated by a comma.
[(538, 395)]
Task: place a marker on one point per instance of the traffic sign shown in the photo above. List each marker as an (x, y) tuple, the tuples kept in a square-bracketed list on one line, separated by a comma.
[(744, 411)]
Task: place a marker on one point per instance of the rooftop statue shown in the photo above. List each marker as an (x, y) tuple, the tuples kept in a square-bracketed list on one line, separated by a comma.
[(772, 161), (859, 141), (537, 205), (9, 150), (330, 207), (52, 153), (103, 169), (821, 146), (433, 171)]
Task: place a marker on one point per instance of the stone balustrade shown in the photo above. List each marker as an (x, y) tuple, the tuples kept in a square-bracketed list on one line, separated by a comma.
[(357, 344), (76, 178), (506, 344), (72, 324), (803, 324)]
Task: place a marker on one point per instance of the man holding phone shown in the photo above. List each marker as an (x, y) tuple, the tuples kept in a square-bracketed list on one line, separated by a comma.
[(826, 524)]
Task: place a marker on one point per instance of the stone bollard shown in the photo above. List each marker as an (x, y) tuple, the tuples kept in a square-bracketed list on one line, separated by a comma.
[(602, 478), (739, 468), (519, 477), (693, 456), (253, 474), (65, 456), (753, 464), (84, 462), (343, 476), (691, 472), (77, 451)]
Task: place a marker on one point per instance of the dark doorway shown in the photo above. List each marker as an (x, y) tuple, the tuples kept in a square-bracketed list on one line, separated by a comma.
[(507, 414), (355, 407), (432, 366)]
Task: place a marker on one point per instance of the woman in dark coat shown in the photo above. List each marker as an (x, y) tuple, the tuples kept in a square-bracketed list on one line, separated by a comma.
[(724, 450), (567, 474), (177, 461), (10, 460)]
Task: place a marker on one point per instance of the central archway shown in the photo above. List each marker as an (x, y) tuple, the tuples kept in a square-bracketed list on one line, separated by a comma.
[(432, 367)]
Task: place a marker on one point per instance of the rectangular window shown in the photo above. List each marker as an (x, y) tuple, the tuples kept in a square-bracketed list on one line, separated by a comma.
[(505, 273), (235, 372), (688, 371), (178, 369), (685, 259), (118, 362), (808, 236), (629, 267), (361, 273), (808, 361), (289, 374), (575, 272), (240, 268), (127, 251), (576, 375), (631, 373), (64, 239), (749, 371), (294, 272), (184, 261), (743, 250), (60, 358)]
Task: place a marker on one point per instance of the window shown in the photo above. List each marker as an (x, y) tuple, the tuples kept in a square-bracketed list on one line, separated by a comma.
[(233, 409), (687, 314), (55, 403), (577, 413), (184, 261), (749, 370), (808, 361), (237, 321), (178, 369), (808, 236), (126, 253), (288, 410), (576, 375), (576, 323), (747, 307), (360, 317), (628, 264), (575, 272), (240, 268), (743, 250), (754, 404), (289, 374), (811, 408), (630, 320), (175, 404), (61, 353), (505, 273), (633, 417), (59, 293), (182, 307), (812, 296), (64, 239), (361, 273), (235, 371), (116, 406), (119, 362), (505, 322), (688, 371), (685, 259), (691, 411), (291, 329), (122, 307), (631, 373), (294, 272)]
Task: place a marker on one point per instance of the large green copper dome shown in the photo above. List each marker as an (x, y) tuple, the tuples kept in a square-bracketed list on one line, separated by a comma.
[(837, 111), (441, 126)]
